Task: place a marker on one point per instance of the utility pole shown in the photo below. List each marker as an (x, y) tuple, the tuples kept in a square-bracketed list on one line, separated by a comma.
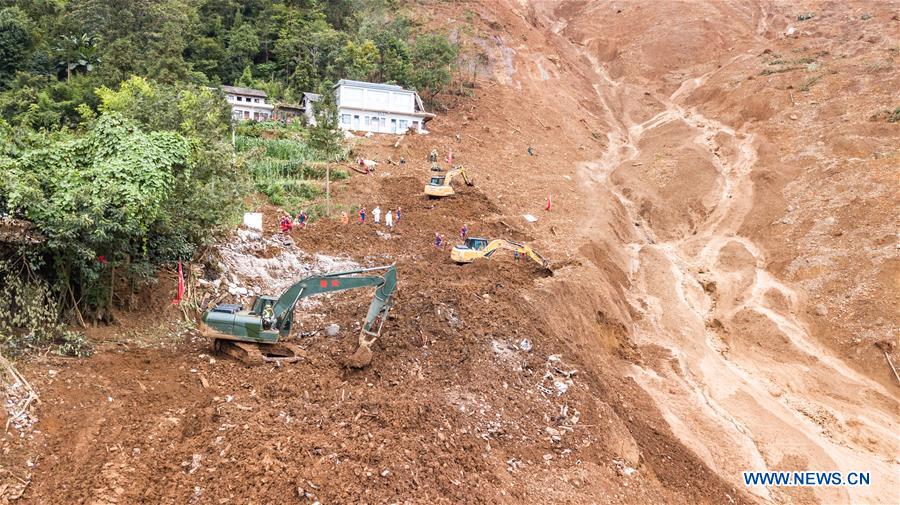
[(328, 190)]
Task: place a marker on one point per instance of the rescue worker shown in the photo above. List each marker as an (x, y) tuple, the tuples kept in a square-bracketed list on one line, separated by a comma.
[(433, 156), (438, 240), (464, 231), (362, 215), (389, 219), (376, 214), (398, 214), (344, 217), (301, 219), (268, 317), (286, 224)]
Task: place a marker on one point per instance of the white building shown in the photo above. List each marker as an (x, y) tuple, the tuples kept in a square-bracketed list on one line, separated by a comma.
[(308, 108), (378, 108), (248, 104)]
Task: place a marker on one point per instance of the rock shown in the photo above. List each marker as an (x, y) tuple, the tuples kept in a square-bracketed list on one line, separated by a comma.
[(561, 387), (553, 432), (332, 330), (794, 117), (525, 345), (821, 310)]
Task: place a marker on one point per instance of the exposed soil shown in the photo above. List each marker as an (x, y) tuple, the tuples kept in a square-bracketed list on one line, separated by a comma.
[(724, 286)]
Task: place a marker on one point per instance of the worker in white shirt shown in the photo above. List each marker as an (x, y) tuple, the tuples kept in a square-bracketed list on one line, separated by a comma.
[(376, 214), (389, 219)]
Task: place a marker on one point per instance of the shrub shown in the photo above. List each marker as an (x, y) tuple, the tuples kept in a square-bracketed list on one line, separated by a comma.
[(30, 316)]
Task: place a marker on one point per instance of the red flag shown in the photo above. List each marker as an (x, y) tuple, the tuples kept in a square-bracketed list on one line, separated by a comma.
[(180, 295), (547, 208)]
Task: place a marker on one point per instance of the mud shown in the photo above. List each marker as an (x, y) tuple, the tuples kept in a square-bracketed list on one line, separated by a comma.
[(724, 289)]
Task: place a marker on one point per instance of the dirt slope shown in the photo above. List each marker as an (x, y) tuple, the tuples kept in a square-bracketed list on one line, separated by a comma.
[(724, 239)]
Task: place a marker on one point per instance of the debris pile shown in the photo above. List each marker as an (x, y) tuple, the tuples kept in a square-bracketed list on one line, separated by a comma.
[(251, 264)]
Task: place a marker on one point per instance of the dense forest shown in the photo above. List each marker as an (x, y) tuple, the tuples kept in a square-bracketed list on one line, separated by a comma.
[(116, 144)]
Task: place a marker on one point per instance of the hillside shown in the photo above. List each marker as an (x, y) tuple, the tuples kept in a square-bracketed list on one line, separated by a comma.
[(723, 294)]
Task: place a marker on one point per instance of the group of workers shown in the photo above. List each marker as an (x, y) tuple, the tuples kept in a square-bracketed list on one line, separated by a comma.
[(362, 214), (391, 218), (287, 223), (439, 239)]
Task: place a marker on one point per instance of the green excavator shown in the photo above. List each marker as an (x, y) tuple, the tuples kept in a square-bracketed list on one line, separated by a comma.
[(254, 336)]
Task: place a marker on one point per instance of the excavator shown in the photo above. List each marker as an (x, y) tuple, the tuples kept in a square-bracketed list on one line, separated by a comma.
[(440, 184), (254, 336), (476, 247)]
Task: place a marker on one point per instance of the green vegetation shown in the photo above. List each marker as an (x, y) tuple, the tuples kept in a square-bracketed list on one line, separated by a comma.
[(115, 141), (288, 170), (894, 117)]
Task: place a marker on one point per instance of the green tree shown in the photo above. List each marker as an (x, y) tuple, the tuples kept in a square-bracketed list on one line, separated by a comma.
[(325, 136), (16, 43), (243, 44), (432, 58), (358, 61), (76, 53), (396, 64)]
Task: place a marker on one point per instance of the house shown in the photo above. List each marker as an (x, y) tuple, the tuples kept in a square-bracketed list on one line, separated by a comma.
[(378, 108), (308, 108), (248, 104), (288, 112)]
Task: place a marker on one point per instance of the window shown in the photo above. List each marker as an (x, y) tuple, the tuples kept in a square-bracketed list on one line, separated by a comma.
[(367, 120), (345, 119), (256, 100), (393, 126), (415, 125), (403, 124), (239, 99), (383, 122), (355, 121)]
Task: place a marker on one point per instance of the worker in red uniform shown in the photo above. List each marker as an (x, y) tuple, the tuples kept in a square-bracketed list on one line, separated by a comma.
[(286, 224), (362, 215), (438, 240), (464, 231)]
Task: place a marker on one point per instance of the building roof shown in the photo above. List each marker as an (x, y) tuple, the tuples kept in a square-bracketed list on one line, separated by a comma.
[(372, 85), (244, 91), (312, 97)]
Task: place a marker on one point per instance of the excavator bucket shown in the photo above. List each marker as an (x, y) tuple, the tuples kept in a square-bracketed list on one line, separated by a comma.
[(361, 358)]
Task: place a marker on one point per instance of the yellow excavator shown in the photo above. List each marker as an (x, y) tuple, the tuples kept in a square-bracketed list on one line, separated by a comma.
[(439, 185), (476, 247)]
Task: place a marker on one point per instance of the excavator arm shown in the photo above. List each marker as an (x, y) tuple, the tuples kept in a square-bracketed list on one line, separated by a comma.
[(384, 284), (459, 171), (517, 247)]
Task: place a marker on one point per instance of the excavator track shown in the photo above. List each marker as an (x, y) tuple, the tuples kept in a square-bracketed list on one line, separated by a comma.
[(258, 354)]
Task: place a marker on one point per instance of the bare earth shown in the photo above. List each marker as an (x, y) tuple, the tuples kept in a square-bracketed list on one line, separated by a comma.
[(725, 287)]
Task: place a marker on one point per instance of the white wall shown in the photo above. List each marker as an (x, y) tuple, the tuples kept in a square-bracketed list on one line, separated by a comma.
[(375, 99), (248, 108), (378, 122)]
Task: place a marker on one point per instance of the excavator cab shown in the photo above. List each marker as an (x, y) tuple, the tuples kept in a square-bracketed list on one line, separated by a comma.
[(440, 185), (476, 244)]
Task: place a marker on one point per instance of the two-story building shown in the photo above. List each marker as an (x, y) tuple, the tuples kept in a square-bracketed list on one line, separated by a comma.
[(379, 108), (248, 104)]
